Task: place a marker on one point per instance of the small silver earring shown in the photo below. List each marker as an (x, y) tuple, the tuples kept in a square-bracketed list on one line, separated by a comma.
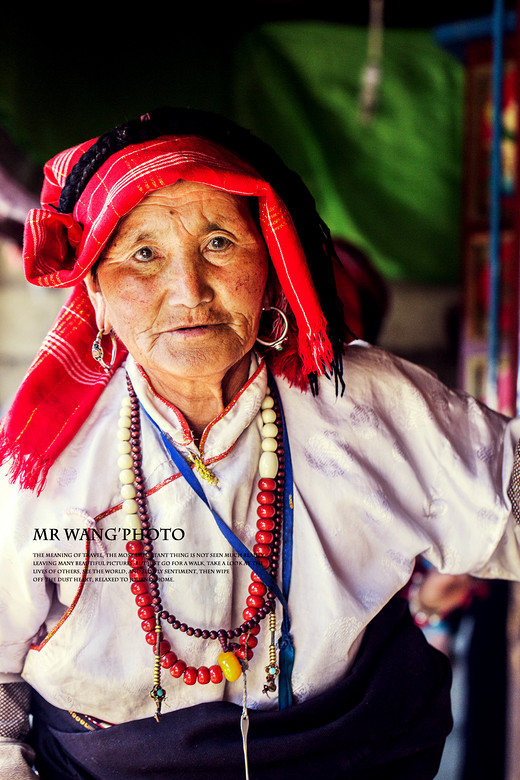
[(98, 352), (277, 344)]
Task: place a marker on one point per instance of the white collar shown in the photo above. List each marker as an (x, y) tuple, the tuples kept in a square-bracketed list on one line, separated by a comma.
[(221, 433)]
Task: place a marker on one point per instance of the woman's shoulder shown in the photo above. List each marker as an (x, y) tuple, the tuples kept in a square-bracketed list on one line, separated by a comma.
[(366, 362), (384, 390), (375, 376)]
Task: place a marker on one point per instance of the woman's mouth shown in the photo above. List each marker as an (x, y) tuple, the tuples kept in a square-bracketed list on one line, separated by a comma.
[(193, 330)]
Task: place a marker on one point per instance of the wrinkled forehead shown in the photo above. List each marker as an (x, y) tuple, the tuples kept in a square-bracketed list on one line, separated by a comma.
[(186, 213), (185, 194), (191, 206)]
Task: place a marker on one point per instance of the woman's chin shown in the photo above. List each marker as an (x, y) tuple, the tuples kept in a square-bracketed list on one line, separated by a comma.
[(192, 362)]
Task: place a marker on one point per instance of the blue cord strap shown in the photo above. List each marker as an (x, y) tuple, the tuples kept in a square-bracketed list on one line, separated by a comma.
[(285, 644)]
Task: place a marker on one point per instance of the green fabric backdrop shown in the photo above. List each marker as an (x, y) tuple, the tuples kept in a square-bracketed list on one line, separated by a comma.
[(393, 186)]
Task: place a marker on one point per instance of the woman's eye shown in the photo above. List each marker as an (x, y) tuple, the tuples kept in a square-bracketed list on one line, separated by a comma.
[(218, 243), (144, 254)]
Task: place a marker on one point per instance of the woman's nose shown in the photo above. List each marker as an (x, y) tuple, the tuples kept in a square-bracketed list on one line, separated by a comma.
[(189, 282)]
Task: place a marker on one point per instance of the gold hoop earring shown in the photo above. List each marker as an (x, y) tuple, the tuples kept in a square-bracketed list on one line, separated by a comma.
[(98, 352), (277, 344)]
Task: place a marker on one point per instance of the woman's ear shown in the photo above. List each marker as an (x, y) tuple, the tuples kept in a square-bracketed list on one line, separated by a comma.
[(97, 300), (272, 288)]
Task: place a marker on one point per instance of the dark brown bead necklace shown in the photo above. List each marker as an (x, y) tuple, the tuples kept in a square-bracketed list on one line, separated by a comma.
[(260, 602)]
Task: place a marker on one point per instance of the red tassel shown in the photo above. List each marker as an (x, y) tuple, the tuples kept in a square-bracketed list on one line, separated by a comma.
[(30, 470), (288, 363)]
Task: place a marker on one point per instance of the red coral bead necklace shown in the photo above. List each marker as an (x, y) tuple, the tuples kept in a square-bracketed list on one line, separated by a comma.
[(260, 602)]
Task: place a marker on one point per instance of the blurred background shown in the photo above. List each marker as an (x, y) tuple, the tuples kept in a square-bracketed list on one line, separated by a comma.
[(402, 120)]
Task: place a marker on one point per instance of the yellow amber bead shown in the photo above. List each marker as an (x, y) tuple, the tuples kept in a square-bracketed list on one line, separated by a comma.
[(230, 665)]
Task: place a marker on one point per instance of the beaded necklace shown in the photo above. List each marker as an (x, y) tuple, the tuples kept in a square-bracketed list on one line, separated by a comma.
[(260, 603)]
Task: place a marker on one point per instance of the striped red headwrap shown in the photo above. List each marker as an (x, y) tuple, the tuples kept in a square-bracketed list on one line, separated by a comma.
[(63, 383)]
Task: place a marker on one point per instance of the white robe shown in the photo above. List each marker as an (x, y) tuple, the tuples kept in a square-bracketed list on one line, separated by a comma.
[(397, 467)]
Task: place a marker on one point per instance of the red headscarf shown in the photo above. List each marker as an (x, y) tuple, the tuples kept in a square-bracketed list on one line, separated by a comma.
[(63, 382)]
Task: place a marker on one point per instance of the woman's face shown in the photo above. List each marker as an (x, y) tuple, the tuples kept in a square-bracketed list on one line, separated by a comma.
[(182, 282)]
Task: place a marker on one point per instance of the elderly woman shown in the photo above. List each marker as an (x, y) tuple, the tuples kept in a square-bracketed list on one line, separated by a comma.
[(265, 487)]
